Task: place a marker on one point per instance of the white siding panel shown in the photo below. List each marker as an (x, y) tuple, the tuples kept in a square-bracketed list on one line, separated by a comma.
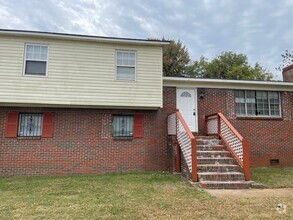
[(80, 73)]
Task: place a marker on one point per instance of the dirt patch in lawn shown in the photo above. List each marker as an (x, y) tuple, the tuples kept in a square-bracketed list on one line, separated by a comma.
[(250, 193)]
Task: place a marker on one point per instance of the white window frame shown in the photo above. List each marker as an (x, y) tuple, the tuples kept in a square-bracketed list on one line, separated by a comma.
[(116, 65), (25, 59), (260, 116)]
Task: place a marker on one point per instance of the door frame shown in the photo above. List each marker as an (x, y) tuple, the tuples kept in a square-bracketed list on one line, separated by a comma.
[(195, 102)]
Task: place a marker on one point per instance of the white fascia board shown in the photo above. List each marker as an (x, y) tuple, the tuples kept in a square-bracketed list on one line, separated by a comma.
[(227, 84), (84, 37)]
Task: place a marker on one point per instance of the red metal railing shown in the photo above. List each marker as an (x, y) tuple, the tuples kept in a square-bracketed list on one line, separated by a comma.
[(217, 124), (186, 143)]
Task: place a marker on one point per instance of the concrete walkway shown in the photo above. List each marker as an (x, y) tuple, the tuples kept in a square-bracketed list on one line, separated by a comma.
[(249, 193)]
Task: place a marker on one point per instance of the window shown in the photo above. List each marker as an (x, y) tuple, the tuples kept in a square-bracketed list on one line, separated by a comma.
[(122, 125), (30, 125), (185, 94), (125, 65), (36, 59), (257, 103)]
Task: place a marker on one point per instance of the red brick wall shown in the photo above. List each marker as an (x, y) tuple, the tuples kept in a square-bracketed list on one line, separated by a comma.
[(268, 138), (83, 143), (288, 73)]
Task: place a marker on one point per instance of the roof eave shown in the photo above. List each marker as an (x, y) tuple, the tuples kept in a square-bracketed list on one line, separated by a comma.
[(83, 37), (229, 84)]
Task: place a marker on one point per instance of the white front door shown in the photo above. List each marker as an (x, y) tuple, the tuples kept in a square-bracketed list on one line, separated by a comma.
[(186, 104)]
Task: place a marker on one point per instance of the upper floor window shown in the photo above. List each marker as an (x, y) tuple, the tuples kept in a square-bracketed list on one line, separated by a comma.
[(125, 65), (36, 60), (257, 103)]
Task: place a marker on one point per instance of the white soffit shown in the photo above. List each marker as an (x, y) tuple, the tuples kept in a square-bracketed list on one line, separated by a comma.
[(227, 84)]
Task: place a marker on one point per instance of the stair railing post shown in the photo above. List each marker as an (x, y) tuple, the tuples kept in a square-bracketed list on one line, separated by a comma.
[(219, 125), (194, 160), (206, 125), (246, 163), (178, 151), (178, 158)]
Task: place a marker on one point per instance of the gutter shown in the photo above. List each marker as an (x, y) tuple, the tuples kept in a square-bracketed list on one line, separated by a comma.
[(83, 37)]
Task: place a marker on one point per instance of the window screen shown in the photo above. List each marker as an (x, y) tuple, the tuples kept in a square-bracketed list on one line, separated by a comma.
[(126, 62), (36, 58)]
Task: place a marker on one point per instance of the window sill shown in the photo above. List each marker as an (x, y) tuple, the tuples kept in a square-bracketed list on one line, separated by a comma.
[(127, 81), (259, 118), (123, 138), (29, 138), (28, 75)]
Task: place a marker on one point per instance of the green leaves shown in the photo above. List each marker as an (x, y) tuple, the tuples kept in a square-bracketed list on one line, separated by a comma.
[(228, 65), (175, 59), (287, 59)]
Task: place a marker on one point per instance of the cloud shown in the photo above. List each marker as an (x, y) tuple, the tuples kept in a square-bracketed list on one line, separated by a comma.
[(261, 29)]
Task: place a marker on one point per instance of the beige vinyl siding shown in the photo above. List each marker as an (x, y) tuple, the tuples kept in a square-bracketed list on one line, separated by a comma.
[(80, 73)]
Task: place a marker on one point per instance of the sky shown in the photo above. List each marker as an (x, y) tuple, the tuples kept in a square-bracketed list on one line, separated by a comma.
[(261, 29)]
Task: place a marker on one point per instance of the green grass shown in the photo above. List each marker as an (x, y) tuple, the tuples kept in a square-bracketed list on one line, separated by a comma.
[(273, 177), (125, 196)]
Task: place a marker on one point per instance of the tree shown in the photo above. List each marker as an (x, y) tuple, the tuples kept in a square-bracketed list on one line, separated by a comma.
[(228, 65), (176, 59), (287, 60)]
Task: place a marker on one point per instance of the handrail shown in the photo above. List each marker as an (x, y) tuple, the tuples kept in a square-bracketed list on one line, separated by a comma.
[(186, 142), (185, 125), (234, 141), (230, 126)]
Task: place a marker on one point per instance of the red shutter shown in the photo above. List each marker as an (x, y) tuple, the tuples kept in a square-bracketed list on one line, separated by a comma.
[(138, 126), (48, 125), (11, 124)]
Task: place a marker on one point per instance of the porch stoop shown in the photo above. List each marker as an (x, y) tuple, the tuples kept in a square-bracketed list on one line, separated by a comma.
[(217, 168)]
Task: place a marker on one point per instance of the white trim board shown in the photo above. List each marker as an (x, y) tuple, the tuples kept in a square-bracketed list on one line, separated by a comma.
[(227, 84)]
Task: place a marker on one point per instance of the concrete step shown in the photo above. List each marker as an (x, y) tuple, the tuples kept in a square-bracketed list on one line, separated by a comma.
[(201, 147), (222, 160), (221, 176), (213, 153), (225, 184), (218, 168), (206, 137), (208, 142)]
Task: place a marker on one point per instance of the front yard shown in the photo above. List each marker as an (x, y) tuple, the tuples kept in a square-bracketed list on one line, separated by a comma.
[(126, 196), (273, 177)]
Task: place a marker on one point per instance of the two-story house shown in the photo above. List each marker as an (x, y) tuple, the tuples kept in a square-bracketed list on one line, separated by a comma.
[(80, 104), (86, 104)]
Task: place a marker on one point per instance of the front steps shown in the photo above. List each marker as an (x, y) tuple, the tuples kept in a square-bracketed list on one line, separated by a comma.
[(217, 169)]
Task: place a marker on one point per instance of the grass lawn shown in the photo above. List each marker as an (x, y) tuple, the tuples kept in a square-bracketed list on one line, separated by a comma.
[(273, 177), (126, 196)]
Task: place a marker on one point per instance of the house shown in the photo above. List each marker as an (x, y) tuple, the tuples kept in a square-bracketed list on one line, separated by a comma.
[(72, 104), (254, 120), (80, 104)]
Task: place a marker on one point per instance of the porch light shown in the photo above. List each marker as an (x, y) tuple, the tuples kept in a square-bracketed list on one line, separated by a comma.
[(201, 94)]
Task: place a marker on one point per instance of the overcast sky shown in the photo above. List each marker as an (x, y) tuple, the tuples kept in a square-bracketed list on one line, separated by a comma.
[(262, 29)]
